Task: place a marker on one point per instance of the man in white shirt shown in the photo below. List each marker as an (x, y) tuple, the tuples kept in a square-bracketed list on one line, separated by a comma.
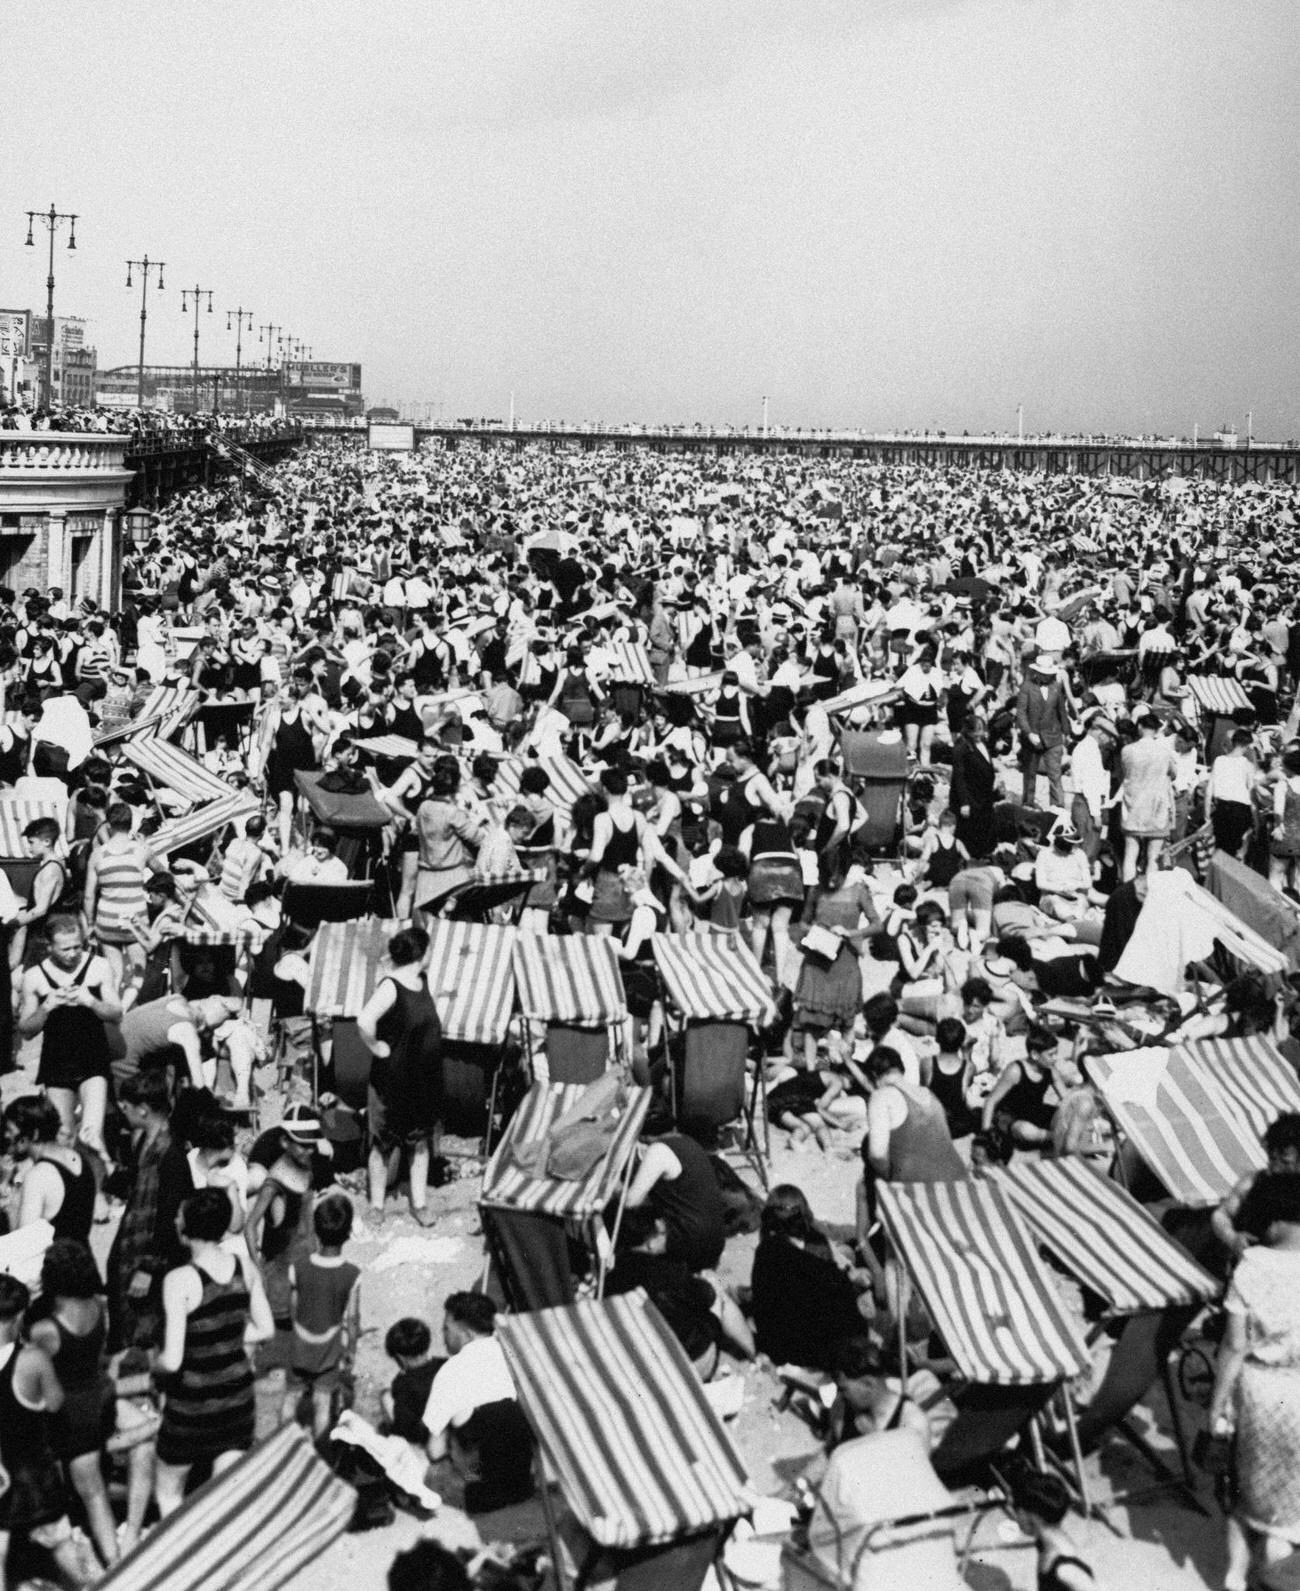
[(473, 1415), (1090, 781)]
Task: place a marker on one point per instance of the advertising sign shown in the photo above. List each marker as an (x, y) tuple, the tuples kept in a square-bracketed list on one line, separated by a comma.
[(13, 333), (393, 438), (322, 376)]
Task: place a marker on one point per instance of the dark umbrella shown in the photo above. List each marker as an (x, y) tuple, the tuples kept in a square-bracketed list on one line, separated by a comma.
[(973, 586)]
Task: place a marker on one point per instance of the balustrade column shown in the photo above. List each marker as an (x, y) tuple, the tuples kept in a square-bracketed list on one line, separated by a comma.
[(56, 548)]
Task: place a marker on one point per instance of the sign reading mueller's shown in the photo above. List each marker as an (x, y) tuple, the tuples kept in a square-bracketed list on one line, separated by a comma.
[(320, 374)]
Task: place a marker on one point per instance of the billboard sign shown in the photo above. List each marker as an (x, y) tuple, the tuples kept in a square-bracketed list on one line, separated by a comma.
[(13, 333), (392, 438), (322, 376)]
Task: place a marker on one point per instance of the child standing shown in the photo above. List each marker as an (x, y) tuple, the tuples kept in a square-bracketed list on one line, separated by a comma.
[(326, 1304)]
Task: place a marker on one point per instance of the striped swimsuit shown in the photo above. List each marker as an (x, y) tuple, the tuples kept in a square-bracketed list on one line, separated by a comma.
[(210, 1408)]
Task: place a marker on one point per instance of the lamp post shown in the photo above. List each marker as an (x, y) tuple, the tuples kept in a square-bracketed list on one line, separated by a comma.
[(50, 220), (144, 266), (198, 294), (239, 315), (270, 343)]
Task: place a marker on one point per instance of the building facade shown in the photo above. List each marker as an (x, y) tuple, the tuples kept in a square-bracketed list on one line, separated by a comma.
[(62, 497)]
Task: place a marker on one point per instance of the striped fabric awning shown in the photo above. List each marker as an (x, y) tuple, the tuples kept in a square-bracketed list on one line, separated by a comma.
[(1104, 1237), (163, 713), (712, 979), (567, 781), (983, 1282), (203, 822), (1257, 1078), (1215, 695), (168, 765), (1182, 1123), (636, 1470), (395, 746), (697, 685), (505, 1186), (629, 663), (472, 979), (14, 818), (342, 964), (254, 1526), (571, 978), (214, 919)]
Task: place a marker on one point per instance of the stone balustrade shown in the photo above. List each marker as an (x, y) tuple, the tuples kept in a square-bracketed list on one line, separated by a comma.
[(28, 453)]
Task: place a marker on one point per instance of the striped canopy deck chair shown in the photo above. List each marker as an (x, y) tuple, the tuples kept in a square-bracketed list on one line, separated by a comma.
[(472, 980), (716, 996), (174, 769), (203, 823), (979, 1275), (1195, 1113), (165, 712), (1101, 1235), (1215, 700), (652, 1486), (251, 1528), (572, 983), (528, 1217)]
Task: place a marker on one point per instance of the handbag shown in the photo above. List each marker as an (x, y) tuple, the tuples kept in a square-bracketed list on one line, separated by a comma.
[(822, 942)]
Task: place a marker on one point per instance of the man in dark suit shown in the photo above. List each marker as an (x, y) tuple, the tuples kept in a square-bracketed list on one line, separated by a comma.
[(974, 782), (1043, 719)]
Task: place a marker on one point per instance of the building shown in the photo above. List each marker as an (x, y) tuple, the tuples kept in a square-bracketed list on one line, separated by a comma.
[(62, 498), (293, 390), (69, 345), (74, 377)]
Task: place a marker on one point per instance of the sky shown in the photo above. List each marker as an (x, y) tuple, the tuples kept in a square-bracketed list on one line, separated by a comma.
[(875, 213)]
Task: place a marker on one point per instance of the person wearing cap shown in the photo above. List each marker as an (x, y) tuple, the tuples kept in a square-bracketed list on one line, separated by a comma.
[(1063, 876), (1090, 781), (1147, 795)]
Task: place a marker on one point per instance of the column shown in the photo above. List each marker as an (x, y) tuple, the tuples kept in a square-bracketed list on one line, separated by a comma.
[(110, 559), (56, 548)]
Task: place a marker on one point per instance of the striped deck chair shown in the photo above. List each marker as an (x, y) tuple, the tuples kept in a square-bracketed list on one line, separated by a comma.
[(15, 815), (654, 1484), (980, 1277), (572, 984), (254, 1527), (472, 980), (1181, 1119), (201, 824), (175, 770), (1102, 1236), (528, 1217), (716, 996)]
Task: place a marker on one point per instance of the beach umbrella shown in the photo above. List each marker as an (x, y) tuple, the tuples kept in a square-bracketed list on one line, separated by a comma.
[(973, 586)]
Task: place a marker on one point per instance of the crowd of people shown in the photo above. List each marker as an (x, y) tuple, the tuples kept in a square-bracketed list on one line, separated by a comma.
[(141, 425), (1022, 646)]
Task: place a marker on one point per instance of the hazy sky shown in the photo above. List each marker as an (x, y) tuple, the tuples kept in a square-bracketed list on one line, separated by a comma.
[(878, 212)]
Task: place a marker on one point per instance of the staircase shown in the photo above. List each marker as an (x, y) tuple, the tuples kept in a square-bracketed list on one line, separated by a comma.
[(241, 459)]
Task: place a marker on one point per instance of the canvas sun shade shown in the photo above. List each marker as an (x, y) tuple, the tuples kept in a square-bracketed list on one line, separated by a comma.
[(567, 781), (201, 824), (472, 979), (505, 1186), (569, 978), (629, 663), (1104, 1237), (343, 964), (1184, 1124), (709, 978), (16, 815), (982, 1281), (175, 769), (636, 1470), (1215, 695), (255, 1526)]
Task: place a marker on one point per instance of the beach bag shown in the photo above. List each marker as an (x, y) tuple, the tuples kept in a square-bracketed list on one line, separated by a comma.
[(822, 943)]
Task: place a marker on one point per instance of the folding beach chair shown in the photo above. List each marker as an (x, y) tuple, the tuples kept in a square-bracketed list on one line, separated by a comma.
[(472, 980), (357, 817), (256, 1525), (1099, 1234), (1183, 1122), (572, 983), (234, 720), (343, 966), (205, 823), (652, 1485), (529, 1217), (980, 1278), (175, 770), (1216, 700), (310, 905), (716, 998), (483, 895), (875, 766)]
